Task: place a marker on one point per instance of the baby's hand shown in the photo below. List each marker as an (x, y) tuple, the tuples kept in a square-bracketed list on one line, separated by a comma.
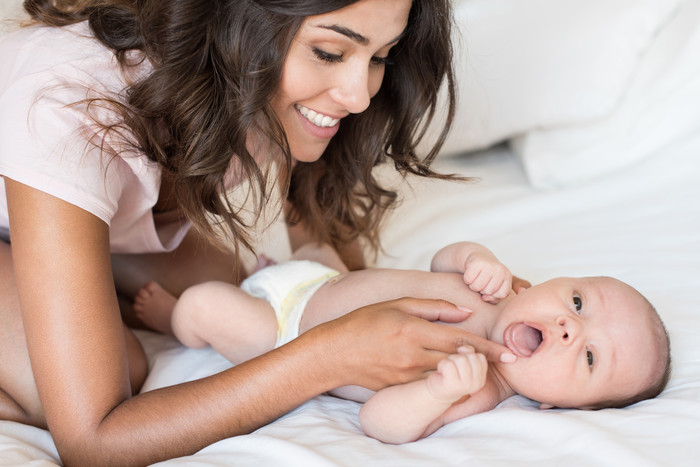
[(458, 375), (483, 273)]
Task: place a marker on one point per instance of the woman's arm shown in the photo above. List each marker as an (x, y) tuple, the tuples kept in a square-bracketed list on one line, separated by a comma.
[(78, 352), (76, 343)]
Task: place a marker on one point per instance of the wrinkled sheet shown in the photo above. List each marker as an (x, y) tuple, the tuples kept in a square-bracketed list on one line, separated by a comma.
[(641, 225)]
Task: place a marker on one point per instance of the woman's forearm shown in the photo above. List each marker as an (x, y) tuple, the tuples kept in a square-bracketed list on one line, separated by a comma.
[(179, 420)]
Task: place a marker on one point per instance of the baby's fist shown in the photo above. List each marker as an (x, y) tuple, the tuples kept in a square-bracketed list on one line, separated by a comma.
[(458, 375), (483, 273)]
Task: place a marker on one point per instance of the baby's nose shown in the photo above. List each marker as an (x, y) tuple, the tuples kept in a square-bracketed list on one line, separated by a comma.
[(568, 329)]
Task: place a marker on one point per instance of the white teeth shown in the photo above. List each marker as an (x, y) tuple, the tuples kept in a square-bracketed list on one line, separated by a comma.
[(316, 118)]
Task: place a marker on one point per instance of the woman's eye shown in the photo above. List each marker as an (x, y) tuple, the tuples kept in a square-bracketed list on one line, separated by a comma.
[(589, 357), (382, 61), (327, 57), (577, 303)]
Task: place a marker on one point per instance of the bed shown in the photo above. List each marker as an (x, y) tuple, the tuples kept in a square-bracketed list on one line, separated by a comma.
[(586, 157)]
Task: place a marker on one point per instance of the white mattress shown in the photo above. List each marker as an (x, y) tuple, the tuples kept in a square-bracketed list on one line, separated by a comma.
[(642, 226)]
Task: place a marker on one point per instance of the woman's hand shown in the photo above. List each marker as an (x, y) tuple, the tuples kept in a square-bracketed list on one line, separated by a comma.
[(395, 342)]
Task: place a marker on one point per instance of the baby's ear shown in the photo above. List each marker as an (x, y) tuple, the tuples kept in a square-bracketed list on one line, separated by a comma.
[(544, 406)]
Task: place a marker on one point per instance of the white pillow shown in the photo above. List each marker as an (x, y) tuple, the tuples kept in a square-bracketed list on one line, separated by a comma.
[(525, 64), (661, 105)]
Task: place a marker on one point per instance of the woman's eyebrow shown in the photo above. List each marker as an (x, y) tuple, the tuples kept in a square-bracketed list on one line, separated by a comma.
[(355, 36)]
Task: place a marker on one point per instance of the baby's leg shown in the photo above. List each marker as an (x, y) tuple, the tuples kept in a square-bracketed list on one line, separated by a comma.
[(236, 324)]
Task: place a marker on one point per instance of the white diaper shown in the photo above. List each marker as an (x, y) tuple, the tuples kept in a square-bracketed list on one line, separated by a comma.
[(288, 287)]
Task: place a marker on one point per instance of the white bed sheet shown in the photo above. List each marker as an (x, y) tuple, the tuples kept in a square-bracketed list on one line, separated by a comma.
[(642, 226)]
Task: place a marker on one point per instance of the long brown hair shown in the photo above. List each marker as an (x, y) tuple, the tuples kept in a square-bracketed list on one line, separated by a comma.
[(216, 66)]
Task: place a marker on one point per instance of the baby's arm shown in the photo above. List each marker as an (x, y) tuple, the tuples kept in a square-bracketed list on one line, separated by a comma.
[(407, 412), (482, 271)]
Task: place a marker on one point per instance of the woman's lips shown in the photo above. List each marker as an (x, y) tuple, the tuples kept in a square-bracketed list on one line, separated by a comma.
[(318, 119), (318, 125)]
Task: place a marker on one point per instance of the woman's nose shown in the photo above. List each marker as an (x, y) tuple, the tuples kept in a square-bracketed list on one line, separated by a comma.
[(352, 89), (568, 329)]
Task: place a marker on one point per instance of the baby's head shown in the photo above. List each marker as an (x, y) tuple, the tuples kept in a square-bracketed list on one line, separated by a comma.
[(584, 343)]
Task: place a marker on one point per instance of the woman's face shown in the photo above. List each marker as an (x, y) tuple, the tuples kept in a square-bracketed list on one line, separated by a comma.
[(334, 67)]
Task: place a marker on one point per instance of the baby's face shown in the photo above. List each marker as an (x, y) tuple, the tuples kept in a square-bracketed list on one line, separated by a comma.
[(579, 341)]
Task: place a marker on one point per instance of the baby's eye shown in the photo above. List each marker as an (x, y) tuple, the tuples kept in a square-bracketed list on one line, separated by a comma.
[(577, 302), (589, 357)]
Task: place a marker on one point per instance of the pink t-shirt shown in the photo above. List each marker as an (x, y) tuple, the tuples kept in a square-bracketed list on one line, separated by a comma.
[(43, 143)]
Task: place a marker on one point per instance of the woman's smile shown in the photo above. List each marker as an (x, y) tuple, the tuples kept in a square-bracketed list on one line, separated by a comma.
[(317, 124), (317, 118)]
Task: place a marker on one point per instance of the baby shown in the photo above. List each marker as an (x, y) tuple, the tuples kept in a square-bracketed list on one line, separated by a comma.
[(582, 343)]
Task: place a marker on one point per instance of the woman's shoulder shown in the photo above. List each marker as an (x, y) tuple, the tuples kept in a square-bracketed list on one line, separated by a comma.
[(46, 46), (66, 57)]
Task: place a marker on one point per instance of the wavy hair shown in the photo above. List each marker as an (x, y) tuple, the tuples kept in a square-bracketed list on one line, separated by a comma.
[(215, 67)]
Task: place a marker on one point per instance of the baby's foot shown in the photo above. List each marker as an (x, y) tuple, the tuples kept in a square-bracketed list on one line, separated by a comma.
[(154, 306)]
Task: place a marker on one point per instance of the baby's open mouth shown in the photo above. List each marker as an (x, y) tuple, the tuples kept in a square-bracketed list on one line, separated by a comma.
[(522, 339)]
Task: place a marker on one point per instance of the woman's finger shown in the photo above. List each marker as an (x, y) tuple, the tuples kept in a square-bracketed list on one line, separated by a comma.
[(449, 338), (434, 310), (493, 351)]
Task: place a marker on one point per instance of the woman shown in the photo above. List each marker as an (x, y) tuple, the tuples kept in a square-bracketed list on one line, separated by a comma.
[(122, 123)]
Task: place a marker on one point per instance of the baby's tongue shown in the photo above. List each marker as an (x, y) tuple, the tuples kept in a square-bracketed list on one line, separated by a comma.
[(522, 339)]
